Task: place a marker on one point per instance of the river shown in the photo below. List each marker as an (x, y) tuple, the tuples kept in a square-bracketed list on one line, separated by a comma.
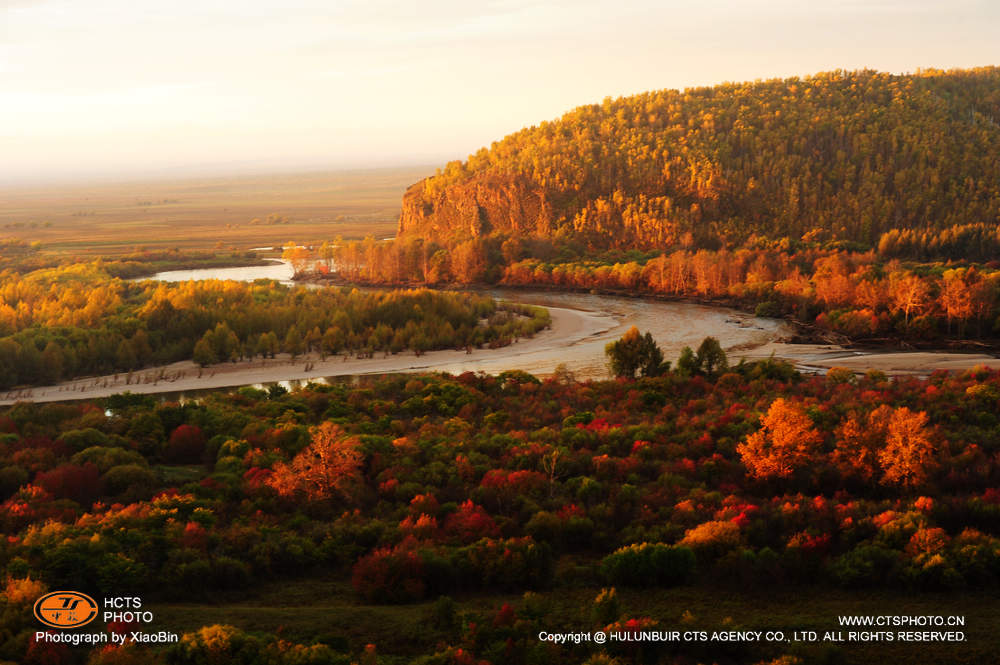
[(582, 325), (278, 270)]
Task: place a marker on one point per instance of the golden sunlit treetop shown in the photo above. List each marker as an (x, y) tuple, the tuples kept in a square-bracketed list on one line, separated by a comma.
[(837, 156)]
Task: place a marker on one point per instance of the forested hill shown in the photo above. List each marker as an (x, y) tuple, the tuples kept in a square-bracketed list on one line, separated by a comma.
[(836, 156)]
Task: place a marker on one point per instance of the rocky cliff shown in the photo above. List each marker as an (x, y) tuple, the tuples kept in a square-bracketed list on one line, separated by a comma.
[(480, 206)]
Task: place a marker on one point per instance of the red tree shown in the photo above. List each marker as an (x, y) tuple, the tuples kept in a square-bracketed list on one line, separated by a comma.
[(328, 467), (186, 445)]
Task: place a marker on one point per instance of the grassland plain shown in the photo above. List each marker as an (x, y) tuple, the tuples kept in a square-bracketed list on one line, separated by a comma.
[(107, 218), (325, 606)]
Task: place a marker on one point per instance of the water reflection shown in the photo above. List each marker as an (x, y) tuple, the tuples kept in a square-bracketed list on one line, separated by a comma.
[(196, 395), (277, 270)]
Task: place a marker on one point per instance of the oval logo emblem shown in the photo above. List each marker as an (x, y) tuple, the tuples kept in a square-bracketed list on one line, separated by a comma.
[(65, 609)]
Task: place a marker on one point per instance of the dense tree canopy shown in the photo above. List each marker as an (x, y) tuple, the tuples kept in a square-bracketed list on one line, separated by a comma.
[(835, 199), (76, 319), (407, 488), (847, 155)]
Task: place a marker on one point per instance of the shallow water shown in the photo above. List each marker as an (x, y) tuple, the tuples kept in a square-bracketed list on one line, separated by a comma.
[(278, 270), (580, 347), (673, 325), (582, 325)]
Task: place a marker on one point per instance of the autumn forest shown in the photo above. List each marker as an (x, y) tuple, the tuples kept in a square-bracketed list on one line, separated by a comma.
[(451, 519), (860, 203)]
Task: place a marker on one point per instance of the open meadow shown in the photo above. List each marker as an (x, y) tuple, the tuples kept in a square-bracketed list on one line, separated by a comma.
[(239, 212)]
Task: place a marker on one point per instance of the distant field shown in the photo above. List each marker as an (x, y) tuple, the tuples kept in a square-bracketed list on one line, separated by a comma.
[(325, 606), (205, 213)]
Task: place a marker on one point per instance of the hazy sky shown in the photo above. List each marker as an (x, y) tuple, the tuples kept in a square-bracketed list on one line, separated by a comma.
[(95, 87)]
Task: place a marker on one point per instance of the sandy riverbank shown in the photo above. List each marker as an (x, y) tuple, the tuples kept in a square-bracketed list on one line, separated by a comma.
[(581, 326), (569, 327), (897, 363)]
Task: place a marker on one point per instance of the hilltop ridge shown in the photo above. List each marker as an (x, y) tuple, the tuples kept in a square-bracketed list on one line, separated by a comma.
[(836, 156)]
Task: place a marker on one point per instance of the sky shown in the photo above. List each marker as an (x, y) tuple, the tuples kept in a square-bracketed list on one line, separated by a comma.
[(133, 88)]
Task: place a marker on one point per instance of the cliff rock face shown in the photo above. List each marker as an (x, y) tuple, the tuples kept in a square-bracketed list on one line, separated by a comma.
[(477, 207)]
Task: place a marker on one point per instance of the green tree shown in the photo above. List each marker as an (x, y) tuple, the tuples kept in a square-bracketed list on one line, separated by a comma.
[(709, 360), (204, 354), (712, 359), (687, 363), (293, 342), (333, 340), (52, 362), (633, 353), (10, 352), (141, 347), (225, 343), (125, 356), (267, 345), (312, 339)]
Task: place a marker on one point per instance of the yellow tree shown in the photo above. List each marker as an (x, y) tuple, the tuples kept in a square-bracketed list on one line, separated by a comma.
[(327, 252), (468, 262), (857, 440), (786, 442), (909, 452), (655, 273), (833, 285), (328, 467), (908, 293), (297, 255), (983, 295), (678, 272), (956, 297), (870, 293)]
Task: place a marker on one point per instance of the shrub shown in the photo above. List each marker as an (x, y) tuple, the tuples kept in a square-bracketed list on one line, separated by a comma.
[(506, 564), (865, 565), (185, 446), (81, 439), (216, 644), (23, 591), (933, 572), (712, 538), (123, 655), (545, 527), (469, 523), (81, 483), (131, 482), (768, 309), (105, 457), (645, 564), (840, 375), (12, 478), (606, 609), (229, 573), (390, 575), (602, 659), (444, 616), (187, 572)]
